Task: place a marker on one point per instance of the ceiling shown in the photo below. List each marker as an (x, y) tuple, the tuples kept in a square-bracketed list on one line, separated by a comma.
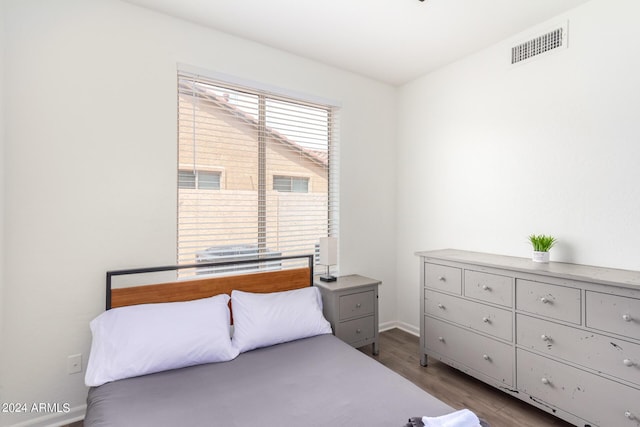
[(393, 41)]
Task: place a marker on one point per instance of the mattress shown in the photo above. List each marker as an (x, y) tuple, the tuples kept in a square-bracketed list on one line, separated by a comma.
[(318, 381)]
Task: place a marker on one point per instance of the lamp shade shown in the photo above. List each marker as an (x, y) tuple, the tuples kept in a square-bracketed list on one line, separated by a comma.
[(328, 251)]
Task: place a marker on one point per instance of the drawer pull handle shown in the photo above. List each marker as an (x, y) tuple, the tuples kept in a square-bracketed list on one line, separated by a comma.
[(441, 339), (629, 415), (486, 357), (544, 300), (358, 331), (486, 288), (626, 318), (628, 362), (442, 278), (358, 305), (441, 307), (545, 381), (486, 320), (546, 338)]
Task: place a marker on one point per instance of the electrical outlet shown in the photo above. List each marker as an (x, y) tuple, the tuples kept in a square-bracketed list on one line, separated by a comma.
[(74, 364)]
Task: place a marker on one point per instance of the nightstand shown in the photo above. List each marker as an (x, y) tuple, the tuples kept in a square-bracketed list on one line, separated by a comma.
[(350, 304)]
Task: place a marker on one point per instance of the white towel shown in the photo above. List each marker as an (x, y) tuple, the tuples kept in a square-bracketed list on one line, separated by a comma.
[(461, 418)]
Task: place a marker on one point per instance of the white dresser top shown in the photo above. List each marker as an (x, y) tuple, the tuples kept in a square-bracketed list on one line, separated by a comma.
[(586, 273)]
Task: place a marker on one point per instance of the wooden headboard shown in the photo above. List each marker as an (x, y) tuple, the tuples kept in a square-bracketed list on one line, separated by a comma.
[(186, 290)]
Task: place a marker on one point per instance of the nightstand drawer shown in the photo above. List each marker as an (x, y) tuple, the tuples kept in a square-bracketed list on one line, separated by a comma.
[(350, 304), (356, 330), (545, 299), (441, 277), (487, 287), (613, 313), (358, 304)]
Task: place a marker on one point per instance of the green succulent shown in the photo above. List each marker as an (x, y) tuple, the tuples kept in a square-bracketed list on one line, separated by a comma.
[(541, 242)]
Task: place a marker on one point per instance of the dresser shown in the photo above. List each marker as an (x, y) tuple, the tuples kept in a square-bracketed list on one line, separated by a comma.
[(350, 304), (562, 337)]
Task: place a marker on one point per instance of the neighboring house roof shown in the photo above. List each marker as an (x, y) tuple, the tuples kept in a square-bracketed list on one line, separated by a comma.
[(319, 157)]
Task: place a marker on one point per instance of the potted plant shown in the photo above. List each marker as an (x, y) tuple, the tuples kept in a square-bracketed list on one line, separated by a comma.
[(541, 244)]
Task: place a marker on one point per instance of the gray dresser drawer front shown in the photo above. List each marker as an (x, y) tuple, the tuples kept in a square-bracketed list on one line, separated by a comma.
[(490, 320), (612, 313), (444, 278), (488, 287), (611, 356), (357, 330), (482, 354), (357, 304), (545, 299), (578, 392)]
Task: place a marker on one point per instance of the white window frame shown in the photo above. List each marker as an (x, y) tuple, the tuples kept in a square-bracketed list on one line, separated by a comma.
[(332, 156)]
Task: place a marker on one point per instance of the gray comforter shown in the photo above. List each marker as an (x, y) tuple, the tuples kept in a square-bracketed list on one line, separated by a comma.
[(317, 381)]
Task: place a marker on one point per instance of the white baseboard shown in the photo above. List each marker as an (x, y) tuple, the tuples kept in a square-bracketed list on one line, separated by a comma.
[(400, 325), (386, 326), (413, 330), (56, 420)]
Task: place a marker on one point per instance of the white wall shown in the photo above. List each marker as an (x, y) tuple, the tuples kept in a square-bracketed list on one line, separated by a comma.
[(91, 185), (489, 153), (2, 169), (90, 158)]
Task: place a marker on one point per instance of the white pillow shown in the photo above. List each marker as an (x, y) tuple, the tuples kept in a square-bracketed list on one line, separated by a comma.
[(142, 339), (261, 320)]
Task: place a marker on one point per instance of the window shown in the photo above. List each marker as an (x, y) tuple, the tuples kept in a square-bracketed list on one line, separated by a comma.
[(186, 180), (290, 184), (270, 148), (202, 180)]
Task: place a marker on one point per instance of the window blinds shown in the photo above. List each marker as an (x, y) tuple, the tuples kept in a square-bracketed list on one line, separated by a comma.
[(274, 160)]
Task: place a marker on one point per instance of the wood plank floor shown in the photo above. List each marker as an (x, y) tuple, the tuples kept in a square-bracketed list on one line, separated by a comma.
[(399, 351)]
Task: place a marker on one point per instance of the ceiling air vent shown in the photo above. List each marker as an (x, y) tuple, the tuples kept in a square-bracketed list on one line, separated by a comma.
[(547, 42)]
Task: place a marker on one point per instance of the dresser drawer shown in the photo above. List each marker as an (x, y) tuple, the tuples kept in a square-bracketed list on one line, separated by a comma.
[(448, 279), (357, 304), (488, 287), (611, 356), (357, 330), (474, 315), (597, 400), (611, 313), (482, 354), (545, 299)]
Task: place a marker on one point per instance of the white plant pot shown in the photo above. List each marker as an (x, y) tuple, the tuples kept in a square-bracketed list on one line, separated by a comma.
[(540, 256)]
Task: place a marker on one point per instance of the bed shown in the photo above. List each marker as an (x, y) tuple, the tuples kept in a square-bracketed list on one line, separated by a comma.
[(306, 378)]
